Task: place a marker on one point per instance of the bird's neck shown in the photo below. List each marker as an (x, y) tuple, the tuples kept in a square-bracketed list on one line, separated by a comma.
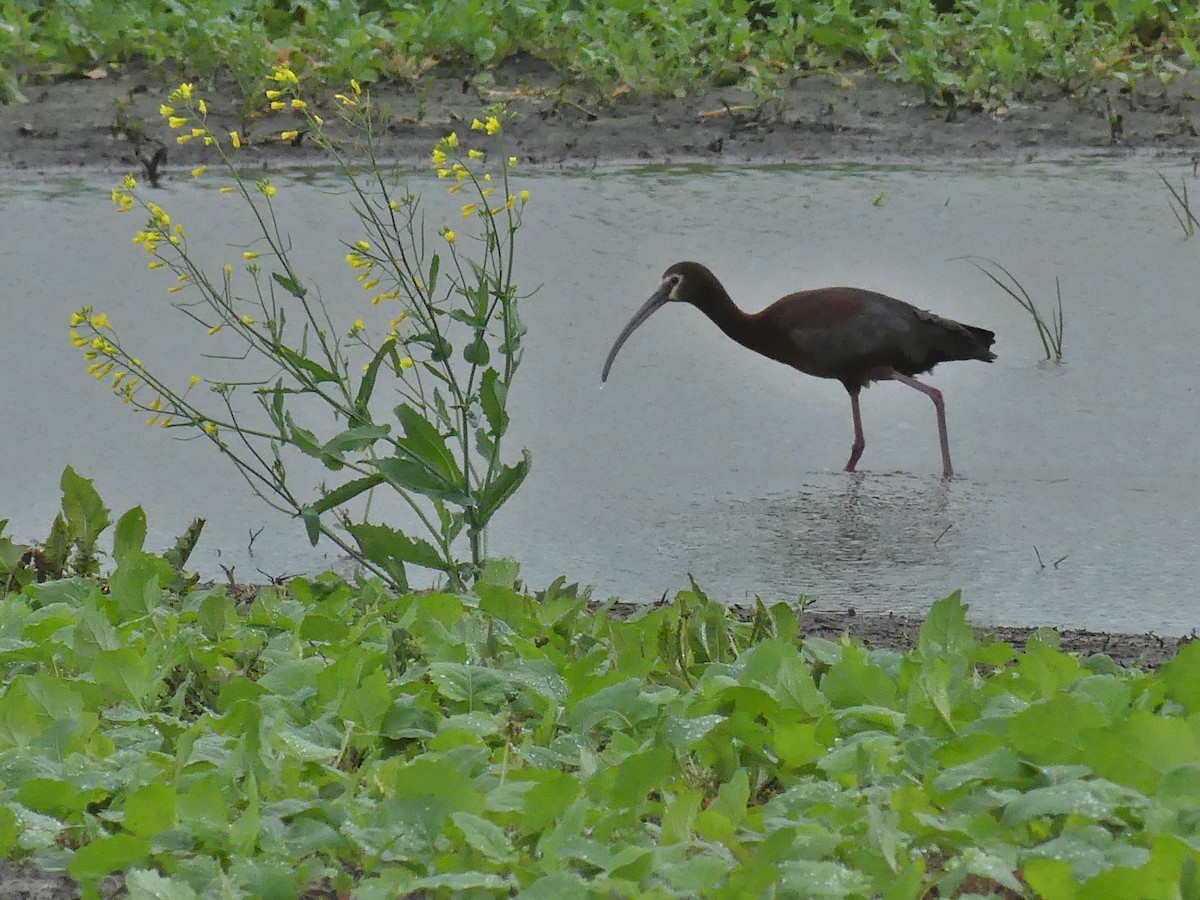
[(725, 315)]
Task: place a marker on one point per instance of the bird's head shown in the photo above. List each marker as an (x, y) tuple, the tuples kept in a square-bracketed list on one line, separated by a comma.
[(684, 282)]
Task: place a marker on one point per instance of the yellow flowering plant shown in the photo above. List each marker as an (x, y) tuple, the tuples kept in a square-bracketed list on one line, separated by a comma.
[(443, 365)]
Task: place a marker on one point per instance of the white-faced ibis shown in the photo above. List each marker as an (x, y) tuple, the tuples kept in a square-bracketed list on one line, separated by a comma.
[(853, 335)]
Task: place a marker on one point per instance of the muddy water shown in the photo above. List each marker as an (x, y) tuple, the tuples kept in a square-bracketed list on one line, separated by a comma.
[(1078, 496)]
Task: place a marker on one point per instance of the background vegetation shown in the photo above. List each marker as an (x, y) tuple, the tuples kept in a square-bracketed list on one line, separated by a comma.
[(986, 50)]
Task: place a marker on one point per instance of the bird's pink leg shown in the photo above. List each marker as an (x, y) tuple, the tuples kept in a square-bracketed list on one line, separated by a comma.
[(936, 396), (860, 442)]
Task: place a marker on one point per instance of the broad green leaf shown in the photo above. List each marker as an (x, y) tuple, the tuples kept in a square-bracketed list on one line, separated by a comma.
[(149, 810), (147, 884), (125, 674), (107, 854), (1094, 799), (477, 352), (86, 514), (392, 549), (487, 837), (366, 387), (130, 533), (1182, 676), (413, 476), (503, 486), (427, 446)]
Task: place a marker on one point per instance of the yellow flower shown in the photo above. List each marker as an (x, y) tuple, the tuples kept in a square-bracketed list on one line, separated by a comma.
[(128, 182), (274, 95), (476, 125), (452, 139), (439, 157), (344, 100), (288, 135), (118, 378), (475, 154), (297, 103), (267, 189), (468, 210), (249, 255), (461, 174), (198, 132), (247, 320), (193, 381), (318, 120), (406, 362), (209, 428), (77, 319), (165, 422), (156, 404), (454, 189), (176, 121), (227, 189), (228, 271), (492, 125), (359, 325), (486, 192), (524, 197), (203, 107), (370, 285), (393, 205), (150, 422), (237, 141), (396, 321), (442, 173), (183, 139), (448, 234), (185, 90), (512, 161), (389, 295), (284, 75), (277, 104), (100, 321), (364, 246), (164, 110), (215, 329), (174, 289), (355, 86), (198, 171)]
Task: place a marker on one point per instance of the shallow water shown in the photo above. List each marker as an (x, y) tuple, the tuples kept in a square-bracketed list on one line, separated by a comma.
[(698, 456)]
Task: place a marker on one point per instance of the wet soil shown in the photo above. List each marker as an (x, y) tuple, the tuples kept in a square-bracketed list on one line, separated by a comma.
[(108, 121)]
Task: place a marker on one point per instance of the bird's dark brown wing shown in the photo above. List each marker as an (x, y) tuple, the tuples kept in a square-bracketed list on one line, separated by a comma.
[(856, 335)]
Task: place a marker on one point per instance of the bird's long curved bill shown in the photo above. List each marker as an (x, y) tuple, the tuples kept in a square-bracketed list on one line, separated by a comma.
[(659, 299)]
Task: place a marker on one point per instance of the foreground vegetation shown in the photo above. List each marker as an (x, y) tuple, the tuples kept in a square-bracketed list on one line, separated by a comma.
[(988, 50), (482, 743)]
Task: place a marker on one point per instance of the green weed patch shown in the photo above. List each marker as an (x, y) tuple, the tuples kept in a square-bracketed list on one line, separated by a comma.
[(493, 742)]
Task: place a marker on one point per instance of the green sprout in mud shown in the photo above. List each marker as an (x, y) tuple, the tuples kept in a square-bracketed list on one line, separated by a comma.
[(448, 353), (1049, 329)]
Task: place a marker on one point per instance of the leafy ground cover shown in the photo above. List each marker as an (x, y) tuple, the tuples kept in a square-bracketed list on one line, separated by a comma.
[(989, 50), (339, 738)]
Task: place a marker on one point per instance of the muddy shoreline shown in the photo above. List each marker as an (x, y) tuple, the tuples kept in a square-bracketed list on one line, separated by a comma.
[(106, 122)]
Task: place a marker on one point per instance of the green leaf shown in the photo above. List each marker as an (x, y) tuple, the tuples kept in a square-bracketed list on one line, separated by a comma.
[(477, 352), (149, 810), (427, 446), (289, 285), (318, 373), (360, 437), (86, 514), (107, 854), (1182, 676), (130, 533), (366, 387), (500, 488), (486, 837), (493, 395), (945, 633), (147, 884), (385, 542), (345, 493), (407, 475), (312, 523)]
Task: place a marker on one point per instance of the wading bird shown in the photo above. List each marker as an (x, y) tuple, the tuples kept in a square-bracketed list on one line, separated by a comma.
[(853, 335)]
